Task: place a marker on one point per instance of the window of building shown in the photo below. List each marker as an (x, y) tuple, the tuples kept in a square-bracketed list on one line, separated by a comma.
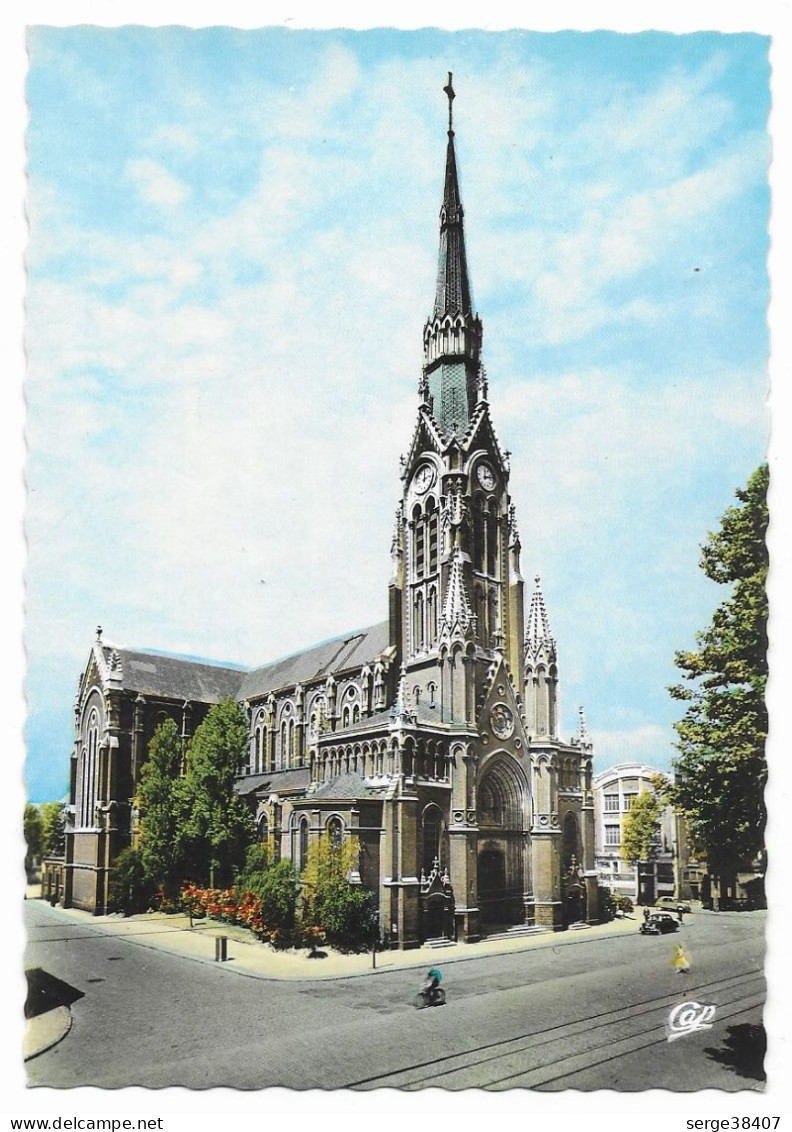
[(335, 830), (611, 803), (302, 856), (612, 835), (628, 800)]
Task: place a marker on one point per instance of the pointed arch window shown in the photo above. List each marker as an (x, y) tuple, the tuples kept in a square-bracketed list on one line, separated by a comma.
[(89, 770), (431, 525), (302, 844), (262, 829), (432, 829), (418, 622), (431, 615), (335, 831)]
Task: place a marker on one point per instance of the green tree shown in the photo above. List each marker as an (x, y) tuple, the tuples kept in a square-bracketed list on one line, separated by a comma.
[(162, 798), (53, 832), (32, 831), (344, 911), (721, 771), (131, 890), (640, 827), (219, 827)]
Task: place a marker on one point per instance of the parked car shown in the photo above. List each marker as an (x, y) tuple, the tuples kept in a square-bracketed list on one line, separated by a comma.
[(659, 923), (672, 905)]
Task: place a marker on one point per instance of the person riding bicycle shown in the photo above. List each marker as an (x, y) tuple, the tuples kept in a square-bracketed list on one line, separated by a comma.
[(433, 980)]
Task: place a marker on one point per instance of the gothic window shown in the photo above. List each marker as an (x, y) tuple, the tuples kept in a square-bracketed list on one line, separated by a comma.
[(418, 622), (416, 695), (431, 523), (432, 690), (431, 616), (335, 831), (492, 544), (493, 620), (302, 854), (481, 612), (432, 823), (356, 713), (89, 761), (541, 701), (263, 828), (478, 534), (292, 744), (284, 743), (345, 716), (418, 543)]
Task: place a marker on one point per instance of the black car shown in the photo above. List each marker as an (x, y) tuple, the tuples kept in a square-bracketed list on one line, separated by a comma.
[(659, 923)]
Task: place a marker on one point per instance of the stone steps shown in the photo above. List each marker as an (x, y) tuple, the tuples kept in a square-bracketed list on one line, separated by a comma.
[(517, 932), (439, 942)]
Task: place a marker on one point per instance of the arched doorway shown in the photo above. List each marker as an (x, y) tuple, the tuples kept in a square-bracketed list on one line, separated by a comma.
[(502, 797)]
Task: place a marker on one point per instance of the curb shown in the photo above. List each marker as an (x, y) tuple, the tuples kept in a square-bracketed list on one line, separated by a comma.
[(45, 1031)]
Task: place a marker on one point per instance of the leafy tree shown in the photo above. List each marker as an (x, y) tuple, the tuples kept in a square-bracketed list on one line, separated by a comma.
[(163, 806), (345, 912), (721, 770), (32, 830), (131, 890), (219, 826), (640, 827), (53, 832)]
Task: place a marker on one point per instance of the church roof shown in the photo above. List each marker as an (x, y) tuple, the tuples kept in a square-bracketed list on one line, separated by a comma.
[(346, 786), (275, 782), (176, 677), (337, 655)]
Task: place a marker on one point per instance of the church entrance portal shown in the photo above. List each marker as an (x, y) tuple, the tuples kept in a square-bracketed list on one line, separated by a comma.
[(502, 845)]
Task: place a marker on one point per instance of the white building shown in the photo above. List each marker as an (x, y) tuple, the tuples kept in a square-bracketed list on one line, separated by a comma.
[(671, 873)]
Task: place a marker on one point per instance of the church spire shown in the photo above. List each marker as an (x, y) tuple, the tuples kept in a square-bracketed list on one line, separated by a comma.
[(452, 335), (538, 637), (453, 284)]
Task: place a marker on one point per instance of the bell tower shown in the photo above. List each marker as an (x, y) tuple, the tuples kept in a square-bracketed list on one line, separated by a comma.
[(456, 593)]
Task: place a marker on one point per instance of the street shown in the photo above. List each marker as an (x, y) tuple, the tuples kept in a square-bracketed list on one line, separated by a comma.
[(586, 1016)]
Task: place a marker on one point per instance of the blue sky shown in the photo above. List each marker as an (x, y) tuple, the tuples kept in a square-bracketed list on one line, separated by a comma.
[(232, 253)]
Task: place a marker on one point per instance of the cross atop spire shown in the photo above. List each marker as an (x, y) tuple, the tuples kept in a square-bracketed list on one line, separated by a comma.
[(452, 335), (449, 90)]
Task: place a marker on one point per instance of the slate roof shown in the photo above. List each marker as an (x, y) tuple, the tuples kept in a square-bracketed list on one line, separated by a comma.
[(180, 677), (337, 655), (176, 677), (348, 786), (274, 782)]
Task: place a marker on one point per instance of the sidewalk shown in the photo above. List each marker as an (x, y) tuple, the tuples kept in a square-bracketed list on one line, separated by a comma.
[(247, 956)]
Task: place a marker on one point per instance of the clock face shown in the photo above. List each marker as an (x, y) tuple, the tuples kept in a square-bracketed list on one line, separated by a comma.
[(485, 476), (424, 478)]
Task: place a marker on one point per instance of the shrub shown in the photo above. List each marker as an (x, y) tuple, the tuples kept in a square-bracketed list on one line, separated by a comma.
[(607, 905), (623, 904), (130, 890), (347, 916), (277, 892)]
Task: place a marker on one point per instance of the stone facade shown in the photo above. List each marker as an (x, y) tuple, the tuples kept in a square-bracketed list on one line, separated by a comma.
[(432, 737)]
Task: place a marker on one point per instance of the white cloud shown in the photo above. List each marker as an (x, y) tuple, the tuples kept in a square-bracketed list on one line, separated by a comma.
[(155, 184)]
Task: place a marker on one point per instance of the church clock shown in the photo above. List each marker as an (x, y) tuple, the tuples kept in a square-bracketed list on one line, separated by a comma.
[(486, 476), (424, 478)]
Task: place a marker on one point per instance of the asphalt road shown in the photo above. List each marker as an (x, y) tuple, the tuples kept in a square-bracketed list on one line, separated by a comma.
[(591, 1015)]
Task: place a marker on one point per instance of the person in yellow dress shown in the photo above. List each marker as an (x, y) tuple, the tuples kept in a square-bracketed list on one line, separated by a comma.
[(680, 962)]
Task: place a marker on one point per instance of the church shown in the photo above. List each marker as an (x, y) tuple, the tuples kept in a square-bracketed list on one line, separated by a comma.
[(431, 737)]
